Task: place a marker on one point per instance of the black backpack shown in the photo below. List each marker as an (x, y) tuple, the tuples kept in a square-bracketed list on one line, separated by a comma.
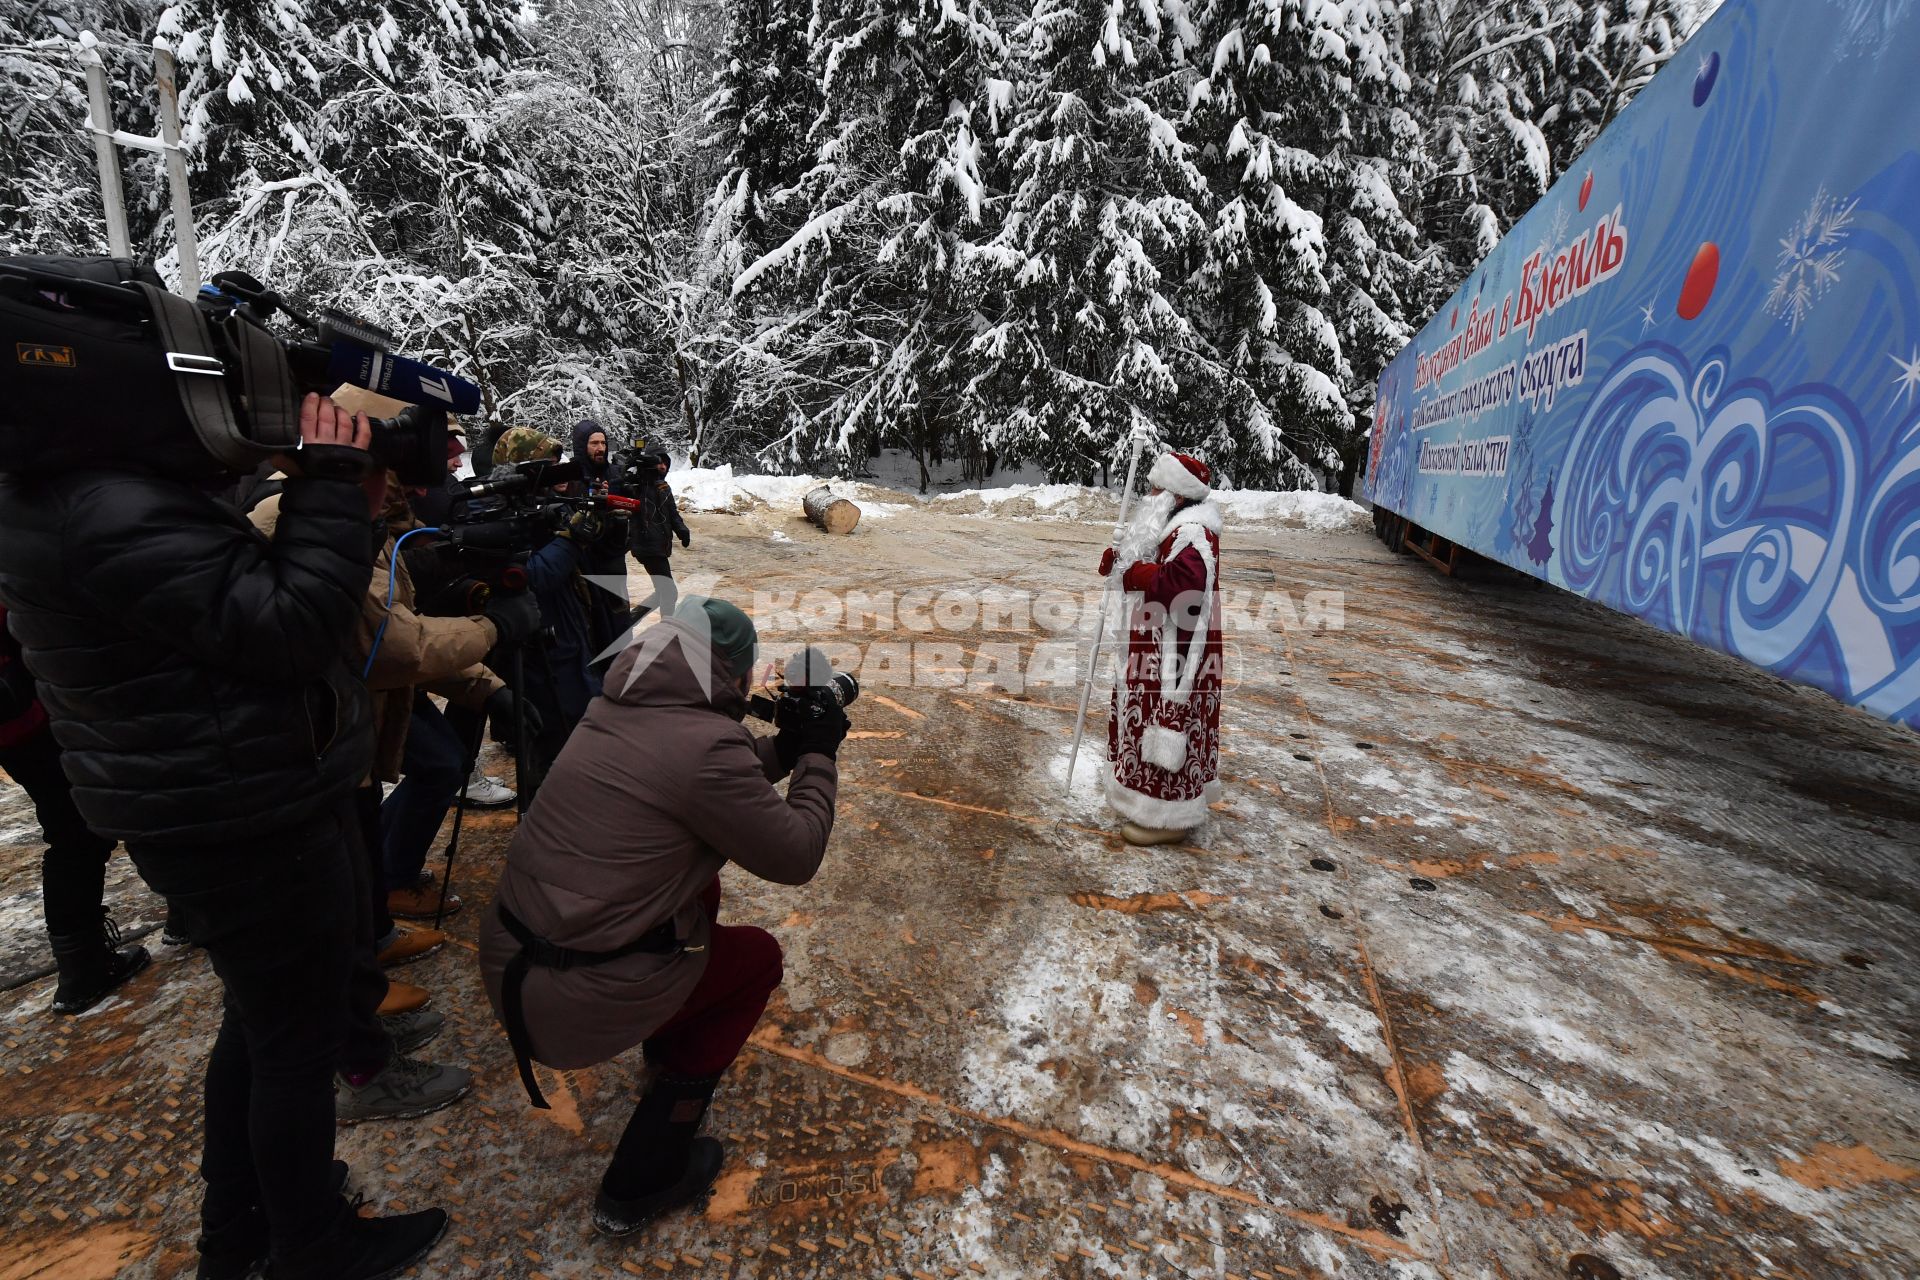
[(81, 361)]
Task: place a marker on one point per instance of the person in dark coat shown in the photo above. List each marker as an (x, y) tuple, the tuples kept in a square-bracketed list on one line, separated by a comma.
[(194, 672), (652, 529), (73, 870), (590, 452), (556, 666), (609, 611), (618, 863)]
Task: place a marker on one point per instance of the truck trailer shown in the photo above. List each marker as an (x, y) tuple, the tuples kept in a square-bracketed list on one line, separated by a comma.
[(1686, 384)]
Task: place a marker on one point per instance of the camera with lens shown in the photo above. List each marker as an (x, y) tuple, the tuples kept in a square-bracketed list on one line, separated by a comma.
[(493, 525), (810, 690), (113, 369)]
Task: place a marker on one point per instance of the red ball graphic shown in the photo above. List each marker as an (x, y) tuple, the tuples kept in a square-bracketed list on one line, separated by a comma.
[(1586, 189), (1701, 277)]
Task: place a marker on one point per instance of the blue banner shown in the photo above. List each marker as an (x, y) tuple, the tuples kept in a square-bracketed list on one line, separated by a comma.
[(1687, 383)]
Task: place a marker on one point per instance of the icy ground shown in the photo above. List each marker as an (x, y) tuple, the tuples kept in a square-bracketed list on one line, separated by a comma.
[(1525, 942)]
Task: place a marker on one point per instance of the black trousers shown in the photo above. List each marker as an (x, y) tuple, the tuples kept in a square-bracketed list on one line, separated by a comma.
[(367, 1046), (406, 824), (665, 593), (73, 870), (279, 916)]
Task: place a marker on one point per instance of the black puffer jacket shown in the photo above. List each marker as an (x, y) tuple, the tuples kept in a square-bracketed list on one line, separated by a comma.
[(194, 671)]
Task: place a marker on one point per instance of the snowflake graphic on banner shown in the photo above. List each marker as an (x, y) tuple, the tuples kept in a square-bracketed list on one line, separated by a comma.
[(1557, 229), (1810, 258)]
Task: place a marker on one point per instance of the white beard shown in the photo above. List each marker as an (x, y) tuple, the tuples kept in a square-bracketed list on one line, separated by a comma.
[(1140, 540)]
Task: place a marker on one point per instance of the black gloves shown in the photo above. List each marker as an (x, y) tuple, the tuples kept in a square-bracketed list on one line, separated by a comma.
[(686, 537), (499, 707), (584, 526), (514, 615), (822, 735)]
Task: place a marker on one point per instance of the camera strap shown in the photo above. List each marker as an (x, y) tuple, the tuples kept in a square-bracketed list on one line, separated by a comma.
[(536, 950)]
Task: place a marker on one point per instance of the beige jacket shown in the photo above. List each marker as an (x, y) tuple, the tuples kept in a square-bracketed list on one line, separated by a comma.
[(440, 655)]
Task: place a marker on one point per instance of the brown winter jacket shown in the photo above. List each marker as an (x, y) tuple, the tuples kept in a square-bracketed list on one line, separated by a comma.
[(659, 787), (440, 655)]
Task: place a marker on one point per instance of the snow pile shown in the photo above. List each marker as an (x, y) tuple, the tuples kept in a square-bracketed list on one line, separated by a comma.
[(1031, 502), (719, 489), (1293, 509), (1288, 509)]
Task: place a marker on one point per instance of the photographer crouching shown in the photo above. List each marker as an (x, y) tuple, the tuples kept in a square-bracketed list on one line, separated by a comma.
[(604, 930)]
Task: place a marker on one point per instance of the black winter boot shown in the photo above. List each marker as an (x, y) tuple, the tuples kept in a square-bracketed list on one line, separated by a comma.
[(660, 1164), (91, 965), (238, 1249), (357, 1248)]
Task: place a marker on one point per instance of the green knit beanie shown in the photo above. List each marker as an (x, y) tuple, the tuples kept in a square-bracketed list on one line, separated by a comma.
[(734, 637)]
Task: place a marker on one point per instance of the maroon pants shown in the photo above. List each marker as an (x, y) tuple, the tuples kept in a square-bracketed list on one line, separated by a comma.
[(743, 968)]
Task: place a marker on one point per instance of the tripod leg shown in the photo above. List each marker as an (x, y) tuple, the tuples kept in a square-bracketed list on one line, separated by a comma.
[(522, 775), (459, 812)]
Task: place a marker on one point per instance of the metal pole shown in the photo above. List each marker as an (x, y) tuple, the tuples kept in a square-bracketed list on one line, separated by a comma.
[(100, 125), (1106, 597), (166, 78)]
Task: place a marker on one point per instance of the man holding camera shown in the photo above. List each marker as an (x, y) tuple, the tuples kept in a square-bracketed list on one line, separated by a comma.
[(558, 675), (655, 525), (603, 934), (609, 614), (195, 674)]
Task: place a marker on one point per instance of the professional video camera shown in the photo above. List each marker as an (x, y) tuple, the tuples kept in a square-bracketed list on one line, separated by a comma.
[(810, 689), (499, 520), (111, 368)]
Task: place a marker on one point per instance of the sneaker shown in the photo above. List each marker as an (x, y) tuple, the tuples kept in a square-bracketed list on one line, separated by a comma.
[(421, 904), (357, 1248), (406, 1088), (403, 997), (484, 791), (412, 1030), (409, 944)]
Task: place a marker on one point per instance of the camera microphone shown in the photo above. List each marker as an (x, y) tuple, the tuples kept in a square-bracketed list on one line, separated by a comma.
[(397, 377), (524, 478)]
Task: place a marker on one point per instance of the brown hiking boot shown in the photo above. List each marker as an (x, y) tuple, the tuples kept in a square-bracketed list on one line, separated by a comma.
[(409, 944), (419, 902), (403, 997)]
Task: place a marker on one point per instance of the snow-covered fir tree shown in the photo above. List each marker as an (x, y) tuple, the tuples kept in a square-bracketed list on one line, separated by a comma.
[(1512, 91), (758, 117), (1087, 330), (880, 279), (1312, 277)]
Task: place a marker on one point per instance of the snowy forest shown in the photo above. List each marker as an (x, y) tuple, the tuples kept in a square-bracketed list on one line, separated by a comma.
[(788, 233)]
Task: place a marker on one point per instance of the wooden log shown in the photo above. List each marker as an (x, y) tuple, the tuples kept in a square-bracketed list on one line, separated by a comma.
[(835, 515)]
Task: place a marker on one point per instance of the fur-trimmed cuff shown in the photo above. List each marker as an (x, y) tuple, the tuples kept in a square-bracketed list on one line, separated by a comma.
[(1164, 748), (1150, 811), (1168, 474)]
